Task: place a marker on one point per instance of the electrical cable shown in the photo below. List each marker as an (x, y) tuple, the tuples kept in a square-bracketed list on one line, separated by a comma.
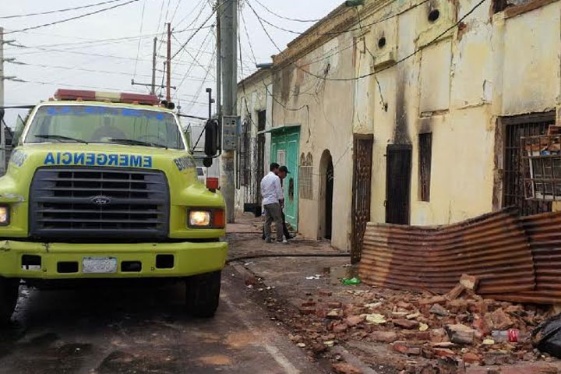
[(407, 57), (139, 40), (287, 18), (71, 18), (193, 35), (59, 10)]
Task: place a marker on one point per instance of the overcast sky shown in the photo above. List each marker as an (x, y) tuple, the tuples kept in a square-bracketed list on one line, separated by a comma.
[(80, 53)]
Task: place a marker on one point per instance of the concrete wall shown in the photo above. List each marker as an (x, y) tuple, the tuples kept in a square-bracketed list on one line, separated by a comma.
[(325, 111), (254, 95), (455, 88)]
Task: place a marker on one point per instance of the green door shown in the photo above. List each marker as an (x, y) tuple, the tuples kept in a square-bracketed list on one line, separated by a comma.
[(285, 144)]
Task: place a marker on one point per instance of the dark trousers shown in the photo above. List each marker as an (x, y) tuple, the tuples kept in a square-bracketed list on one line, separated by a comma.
[(284, 228)]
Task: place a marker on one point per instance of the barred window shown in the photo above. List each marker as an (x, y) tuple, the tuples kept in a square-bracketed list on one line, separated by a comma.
[(244, 154), (305, 178)]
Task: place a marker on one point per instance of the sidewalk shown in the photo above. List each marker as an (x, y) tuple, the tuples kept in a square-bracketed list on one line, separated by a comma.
[(360, 329)]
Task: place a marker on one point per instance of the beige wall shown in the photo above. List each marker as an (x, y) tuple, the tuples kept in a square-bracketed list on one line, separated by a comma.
[(455, 88), (324, 111)]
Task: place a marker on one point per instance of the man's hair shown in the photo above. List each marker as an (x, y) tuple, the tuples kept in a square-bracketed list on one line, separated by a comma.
[(274, 166)]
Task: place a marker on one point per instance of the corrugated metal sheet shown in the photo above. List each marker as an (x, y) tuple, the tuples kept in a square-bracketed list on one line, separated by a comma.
[(544, 235), (494, 247)]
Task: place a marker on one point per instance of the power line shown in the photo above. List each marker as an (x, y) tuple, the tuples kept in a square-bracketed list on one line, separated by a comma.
[(286, 18), (59, 10), (196, 17), (406, 57), (195, 33), (139, 40), (72, 18)]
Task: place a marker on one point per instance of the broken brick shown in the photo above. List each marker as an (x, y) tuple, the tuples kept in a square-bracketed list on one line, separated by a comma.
[(469, 282), (438, 336), (460, 334), (383, 336), (334, 305), (438, 310), (340, 327), (471, 358), (433, 300), (455, 292), (335, 314), (354, 320), (325, 293), (345, 368), (307, 311), (405, 324), (500, 320), (443, 352)]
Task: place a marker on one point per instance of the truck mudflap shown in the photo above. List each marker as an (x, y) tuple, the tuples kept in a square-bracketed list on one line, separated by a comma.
[(20, 259)]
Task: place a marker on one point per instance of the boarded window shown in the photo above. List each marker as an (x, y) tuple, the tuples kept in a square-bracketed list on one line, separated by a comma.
[(305, 177), (425, 156)]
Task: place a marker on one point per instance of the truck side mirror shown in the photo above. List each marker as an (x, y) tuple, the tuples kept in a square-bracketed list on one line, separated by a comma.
[(211, 138), (18, 131)]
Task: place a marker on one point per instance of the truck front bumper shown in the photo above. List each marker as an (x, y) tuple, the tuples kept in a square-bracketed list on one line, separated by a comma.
[(19, 259)]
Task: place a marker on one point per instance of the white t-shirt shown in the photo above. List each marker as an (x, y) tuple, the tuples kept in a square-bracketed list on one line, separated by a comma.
[(271, 190)]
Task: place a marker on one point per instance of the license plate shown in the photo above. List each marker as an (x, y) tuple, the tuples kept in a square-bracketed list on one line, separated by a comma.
[(99, 265)]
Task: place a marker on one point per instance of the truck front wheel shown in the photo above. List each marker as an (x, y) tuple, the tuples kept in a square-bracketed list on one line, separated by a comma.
[(9, 289), (203, 294)]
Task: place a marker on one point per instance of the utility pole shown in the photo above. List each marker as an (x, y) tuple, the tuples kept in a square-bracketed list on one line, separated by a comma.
[(168, 71), (2, 129), (153, 92), (153, 84), (228, 21)]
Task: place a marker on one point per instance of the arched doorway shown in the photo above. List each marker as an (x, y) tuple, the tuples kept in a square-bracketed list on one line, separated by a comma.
[(326, 196)]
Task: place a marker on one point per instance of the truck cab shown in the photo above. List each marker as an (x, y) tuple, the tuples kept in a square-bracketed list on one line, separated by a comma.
[(103, 186)]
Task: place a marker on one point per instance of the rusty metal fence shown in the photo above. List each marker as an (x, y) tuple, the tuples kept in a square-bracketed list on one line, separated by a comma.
[(516, 258)]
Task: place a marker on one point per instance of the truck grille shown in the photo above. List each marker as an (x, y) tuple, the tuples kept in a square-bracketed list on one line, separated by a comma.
[(98, 204)]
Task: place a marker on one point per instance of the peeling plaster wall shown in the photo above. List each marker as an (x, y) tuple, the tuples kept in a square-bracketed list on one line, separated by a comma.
[(456, 89), (325, 111), (256, 97)]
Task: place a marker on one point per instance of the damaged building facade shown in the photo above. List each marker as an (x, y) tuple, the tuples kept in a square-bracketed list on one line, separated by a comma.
[(411, 112), (254, 102)]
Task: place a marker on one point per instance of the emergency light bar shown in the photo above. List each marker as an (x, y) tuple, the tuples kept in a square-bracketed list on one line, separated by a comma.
[(113, 97)]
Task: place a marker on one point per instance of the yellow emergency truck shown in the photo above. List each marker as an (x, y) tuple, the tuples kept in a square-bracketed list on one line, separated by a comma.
[(103, 186)]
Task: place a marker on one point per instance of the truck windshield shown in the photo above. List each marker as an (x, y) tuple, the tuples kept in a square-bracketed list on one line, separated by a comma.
[(102, 124)]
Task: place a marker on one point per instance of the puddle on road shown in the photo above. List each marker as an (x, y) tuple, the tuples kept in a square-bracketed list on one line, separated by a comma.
[(336, 273)]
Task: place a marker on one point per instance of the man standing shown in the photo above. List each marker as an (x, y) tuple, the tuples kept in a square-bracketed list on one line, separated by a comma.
[(271, 193), (282, 174)]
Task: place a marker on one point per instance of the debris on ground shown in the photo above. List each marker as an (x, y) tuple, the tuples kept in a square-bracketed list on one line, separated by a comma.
[(429, 332)]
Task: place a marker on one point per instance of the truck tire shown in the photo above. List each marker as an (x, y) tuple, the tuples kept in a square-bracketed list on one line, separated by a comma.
[(9, 289), (203, 294)]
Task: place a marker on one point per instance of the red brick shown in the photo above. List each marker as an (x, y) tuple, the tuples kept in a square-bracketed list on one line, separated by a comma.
[(405, 324), (471, 358), (354, 320), (334, 305), (383, 336), (443, 352), (307, 311)]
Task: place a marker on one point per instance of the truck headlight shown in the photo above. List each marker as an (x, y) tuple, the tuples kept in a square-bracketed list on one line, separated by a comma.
[(199, 218), (206, 218), (4, 215)]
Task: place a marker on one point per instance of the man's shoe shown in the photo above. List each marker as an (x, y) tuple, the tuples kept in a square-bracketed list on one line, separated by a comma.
[(284, 241), (268, 240)]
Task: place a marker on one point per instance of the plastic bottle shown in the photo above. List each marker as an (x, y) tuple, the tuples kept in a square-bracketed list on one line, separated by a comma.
[(351, 281), (510, 335)]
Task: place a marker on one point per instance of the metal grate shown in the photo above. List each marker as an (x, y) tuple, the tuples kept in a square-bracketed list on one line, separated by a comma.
[(514, 189), (69, 203)]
